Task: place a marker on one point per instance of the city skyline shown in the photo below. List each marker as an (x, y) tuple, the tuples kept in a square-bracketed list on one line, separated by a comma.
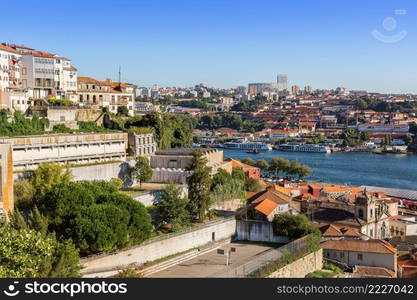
[(180, 43)]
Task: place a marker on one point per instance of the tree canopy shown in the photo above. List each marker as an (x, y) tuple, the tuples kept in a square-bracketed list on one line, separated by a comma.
[(95, 216), (142, 171), (172, 207), (199, 183), (26, 253), (292, 226)]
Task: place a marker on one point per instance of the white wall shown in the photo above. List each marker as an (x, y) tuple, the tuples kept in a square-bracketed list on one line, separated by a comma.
[(162, 246), (368, 259), (257, 231)]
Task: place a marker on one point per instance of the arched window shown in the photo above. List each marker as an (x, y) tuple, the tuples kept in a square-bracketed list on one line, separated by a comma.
[(360, 213)]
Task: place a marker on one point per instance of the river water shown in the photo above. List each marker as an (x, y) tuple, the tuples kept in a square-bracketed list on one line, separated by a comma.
[(352, 168)]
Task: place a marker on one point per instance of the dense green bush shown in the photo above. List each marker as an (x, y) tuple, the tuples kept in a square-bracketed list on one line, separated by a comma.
[(29, 253), (293, 226), (95, 216), (19, 125)]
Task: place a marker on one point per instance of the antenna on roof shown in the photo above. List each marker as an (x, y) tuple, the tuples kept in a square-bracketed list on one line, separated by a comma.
[(120, 76)]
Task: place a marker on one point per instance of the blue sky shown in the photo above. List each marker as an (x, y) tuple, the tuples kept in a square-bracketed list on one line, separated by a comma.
[(225, 43)]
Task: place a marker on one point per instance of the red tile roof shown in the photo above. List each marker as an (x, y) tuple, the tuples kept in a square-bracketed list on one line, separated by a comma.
[(374, 271), (8, 49), (370, 246), (266, 207)]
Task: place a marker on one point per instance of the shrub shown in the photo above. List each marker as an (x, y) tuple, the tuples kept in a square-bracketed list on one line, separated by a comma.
[(293, 226), (95, 216), (28, 253)]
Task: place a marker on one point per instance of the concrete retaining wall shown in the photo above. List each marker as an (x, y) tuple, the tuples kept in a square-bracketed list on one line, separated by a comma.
[(301, 267), (162, 246), (257, 231), (94, 172)]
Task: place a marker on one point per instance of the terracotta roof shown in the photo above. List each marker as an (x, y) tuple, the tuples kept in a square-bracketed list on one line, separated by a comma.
[(40, 54), (239, 164), (21, 47), (268, 194), (374, 271), (337, 188), (86, 79), (8, 49), (266, 207), (370, 246), (330, 230)]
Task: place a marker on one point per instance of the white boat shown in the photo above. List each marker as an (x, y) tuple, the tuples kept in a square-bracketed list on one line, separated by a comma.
[(248, 146), (304, 148)]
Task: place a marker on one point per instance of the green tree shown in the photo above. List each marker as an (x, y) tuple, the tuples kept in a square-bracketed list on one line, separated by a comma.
[(37, 221), (172, 208), (262, 164), (239, 174), (117, 182), (304, 171), (387, 140), (253, 185), (220, 178), (122, 110), (249, 161), (47, 175), (292, 226), (361, 104), (142, 171), (278, 165), (364, 136), (24, 193), (95, 216), (199, 183), (27, 253)]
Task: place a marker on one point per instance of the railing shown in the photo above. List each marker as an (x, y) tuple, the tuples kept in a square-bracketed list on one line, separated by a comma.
[(273, 257), (163, 237)]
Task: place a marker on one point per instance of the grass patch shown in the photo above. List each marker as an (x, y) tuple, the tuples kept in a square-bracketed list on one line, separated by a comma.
[(321, 274), (332, 267)]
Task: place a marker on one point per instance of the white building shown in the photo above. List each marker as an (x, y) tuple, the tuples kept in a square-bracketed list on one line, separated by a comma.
[(45, 74), (99, 94), (10, 81), (357, 252)]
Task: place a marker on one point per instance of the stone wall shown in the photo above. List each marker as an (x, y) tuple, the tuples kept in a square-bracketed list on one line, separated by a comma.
[(257, 231), (161, 175), (228, 205), (6, 180), (162, 246), (301, 267)]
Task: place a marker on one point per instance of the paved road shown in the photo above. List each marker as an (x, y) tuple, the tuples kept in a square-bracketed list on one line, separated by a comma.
[(212, 264)]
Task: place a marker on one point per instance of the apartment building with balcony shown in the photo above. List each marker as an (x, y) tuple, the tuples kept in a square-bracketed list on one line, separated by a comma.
[(45, 74), (107, 93), (10, 81)]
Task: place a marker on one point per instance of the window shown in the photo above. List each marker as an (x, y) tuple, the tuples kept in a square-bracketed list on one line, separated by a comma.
[(342, 254), (360, 213), (360, 256)]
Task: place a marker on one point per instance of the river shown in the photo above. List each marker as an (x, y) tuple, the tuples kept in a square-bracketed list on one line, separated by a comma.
[(351, 168)]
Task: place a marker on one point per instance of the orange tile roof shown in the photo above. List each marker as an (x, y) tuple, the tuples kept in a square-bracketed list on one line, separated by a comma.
[(338, 188), (283, 190), (330, 230), (266, 207), (371, 246), (8, 49), (86, 79), (239, 164), (374, 271)]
